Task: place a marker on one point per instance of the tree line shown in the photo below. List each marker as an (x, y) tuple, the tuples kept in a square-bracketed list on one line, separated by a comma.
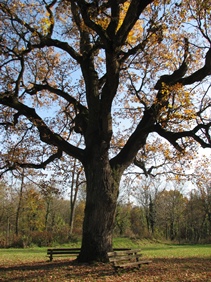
[(31, 216)]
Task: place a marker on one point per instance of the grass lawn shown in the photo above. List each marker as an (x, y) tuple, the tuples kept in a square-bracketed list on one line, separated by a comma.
[(170, 263)]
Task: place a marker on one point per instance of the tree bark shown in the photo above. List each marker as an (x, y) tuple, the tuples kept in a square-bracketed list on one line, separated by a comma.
[(101, 201)]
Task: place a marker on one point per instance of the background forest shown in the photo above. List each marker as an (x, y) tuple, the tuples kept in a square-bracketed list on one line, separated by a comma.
[(42, 213)]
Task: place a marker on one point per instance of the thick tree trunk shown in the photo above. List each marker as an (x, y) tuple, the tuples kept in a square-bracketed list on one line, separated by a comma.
[(102, 193)]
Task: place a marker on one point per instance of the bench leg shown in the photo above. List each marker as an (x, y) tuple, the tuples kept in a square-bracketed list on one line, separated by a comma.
[(51, 256)]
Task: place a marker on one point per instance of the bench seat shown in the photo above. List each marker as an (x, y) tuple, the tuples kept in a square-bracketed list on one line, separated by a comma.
[(129, 258), (62, 251)]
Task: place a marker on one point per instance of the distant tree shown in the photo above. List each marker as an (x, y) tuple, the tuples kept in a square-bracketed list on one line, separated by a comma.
[(2, 199), (206, 198), (79, 217), (203, 184), (33, 213), (73, 179), (145, 194), (49, 192), (19, 203), (170, 207), (195, 217), (122, 220), (198, 214), (3, 212), (138, 222), (117, 73)]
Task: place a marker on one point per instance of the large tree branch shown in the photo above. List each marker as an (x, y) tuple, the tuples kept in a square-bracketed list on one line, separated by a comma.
[(39, 87), (115, 11), (173, 137), (178, 75), (200, 74), (12, 166), (148, 171), (44, 40), (47, 41), (134, 11), (81, 112), (88, 12), (51, 17), (136, 141), (135, 50), (141, 165), (46, 134)]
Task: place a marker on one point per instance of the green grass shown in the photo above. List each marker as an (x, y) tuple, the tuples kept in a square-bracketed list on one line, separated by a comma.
[(125, 243), (177, 251), (153, 249), (22, 255), (150, 249)]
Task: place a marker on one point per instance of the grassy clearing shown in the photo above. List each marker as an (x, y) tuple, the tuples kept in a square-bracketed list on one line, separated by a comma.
[(177, 251), (10, 256), (150, 249), (170, 263)]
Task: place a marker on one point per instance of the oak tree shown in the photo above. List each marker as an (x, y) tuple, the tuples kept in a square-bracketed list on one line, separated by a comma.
[(116, 73)]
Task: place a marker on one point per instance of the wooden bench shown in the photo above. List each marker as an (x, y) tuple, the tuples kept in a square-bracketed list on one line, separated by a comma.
[(70, 251), (62, 251), (129, 258)]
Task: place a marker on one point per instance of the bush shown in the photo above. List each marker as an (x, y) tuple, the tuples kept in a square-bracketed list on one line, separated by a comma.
[(41, 238), (3, 243), (18, 241), (61, 234)]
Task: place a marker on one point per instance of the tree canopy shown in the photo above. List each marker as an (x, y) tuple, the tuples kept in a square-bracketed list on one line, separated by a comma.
[(119, 74)]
